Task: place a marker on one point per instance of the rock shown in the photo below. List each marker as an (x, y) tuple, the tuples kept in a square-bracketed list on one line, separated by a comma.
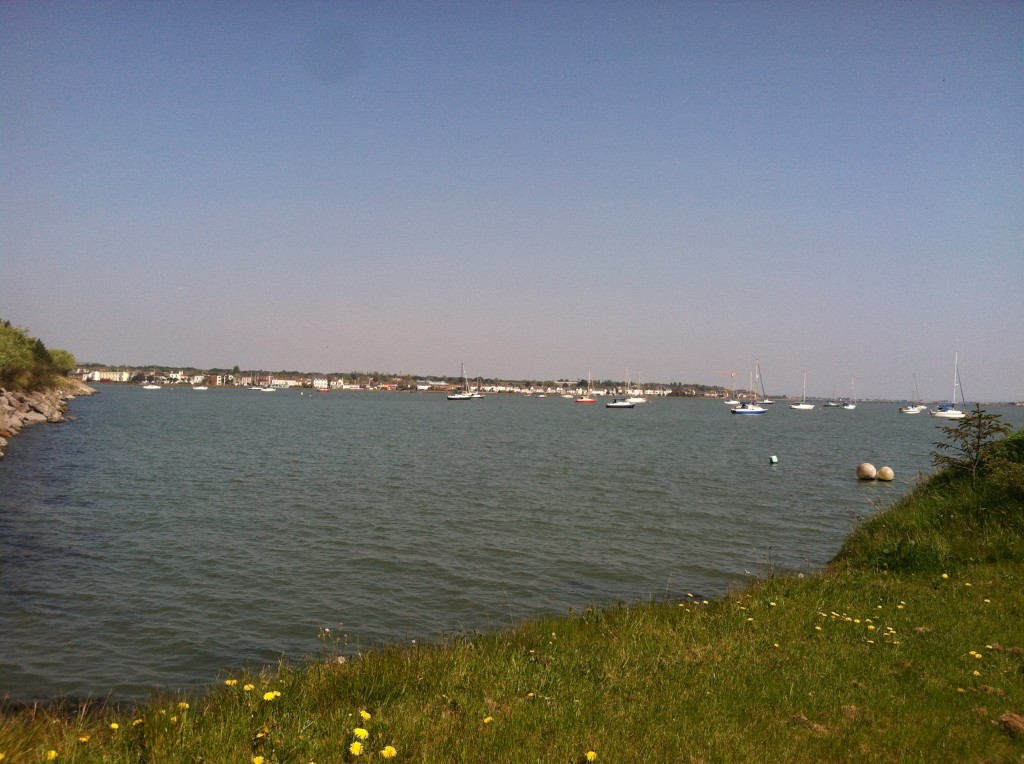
[(885, 473), (866, 471), (20, 409)]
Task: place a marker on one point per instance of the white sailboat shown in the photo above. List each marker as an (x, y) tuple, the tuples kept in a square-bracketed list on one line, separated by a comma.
[(851, 404), (750, 407), (587, 397), (949, 410), (803, 405), (917, 407), (639, 397), (464, 394), (765, 400)]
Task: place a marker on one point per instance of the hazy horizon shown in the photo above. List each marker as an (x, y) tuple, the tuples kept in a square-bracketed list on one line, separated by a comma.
[(536, 190)]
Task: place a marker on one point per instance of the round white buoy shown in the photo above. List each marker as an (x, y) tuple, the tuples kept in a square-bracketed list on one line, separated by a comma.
[(866, 471), (885, 473)]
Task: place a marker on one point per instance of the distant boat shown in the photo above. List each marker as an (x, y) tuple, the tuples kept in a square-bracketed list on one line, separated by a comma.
[(914, 408), (749, 407), (833, 402), (949, 410), (639, 397), (587, 397), (851, 404), (464, 394), (200, 387), (765, 401), (619, 403), (151, 387), (803, 405)]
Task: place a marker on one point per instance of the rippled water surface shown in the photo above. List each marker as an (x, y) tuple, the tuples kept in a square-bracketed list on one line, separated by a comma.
[(165, 536)]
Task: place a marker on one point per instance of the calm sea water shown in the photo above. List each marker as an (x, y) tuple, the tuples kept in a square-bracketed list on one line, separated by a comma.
[(166, 536)]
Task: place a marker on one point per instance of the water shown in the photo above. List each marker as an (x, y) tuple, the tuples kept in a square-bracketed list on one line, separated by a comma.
[(167, 536)]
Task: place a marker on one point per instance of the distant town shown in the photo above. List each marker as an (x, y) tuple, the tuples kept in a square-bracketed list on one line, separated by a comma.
[(382, 381)]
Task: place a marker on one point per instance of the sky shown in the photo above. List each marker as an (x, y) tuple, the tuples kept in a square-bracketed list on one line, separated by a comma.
[(537, 190)]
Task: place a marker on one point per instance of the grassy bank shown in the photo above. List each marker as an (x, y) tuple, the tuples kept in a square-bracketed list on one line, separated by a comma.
[(909, 648)]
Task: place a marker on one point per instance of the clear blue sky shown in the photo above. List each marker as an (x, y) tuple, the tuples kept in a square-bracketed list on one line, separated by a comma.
[(537, 189)]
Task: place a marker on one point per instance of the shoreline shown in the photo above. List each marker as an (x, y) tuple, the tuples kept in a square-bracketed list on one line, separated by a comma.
[(19, 410)]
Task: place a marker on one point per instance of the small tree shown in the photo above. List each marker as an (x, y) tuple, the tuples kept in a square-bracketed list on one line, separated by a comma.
[(969, 442)]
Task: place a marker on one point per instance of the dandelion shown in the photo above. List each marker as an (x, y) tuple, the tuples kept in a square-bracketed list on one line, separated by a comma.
[(771, 604), (360, 733), (137, 722), (356, 748), (83, 739), (388, 752), (871, 627), (183, 705), (945, 576), (591, 756), (258, 760), (249, 687), (271, 695), (114, 725), (230, 682), (977, 673), (987, 600), (488, 719), (51, 755), (817, 628), (364, 715)]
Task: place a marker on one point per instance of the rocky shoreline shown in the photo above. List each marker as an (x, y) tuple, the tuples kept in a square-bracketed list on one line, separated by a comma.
[(18, 410)]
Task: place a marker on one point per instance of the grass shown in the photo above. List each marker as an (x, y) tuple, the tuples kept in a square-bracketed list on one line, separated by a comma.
[(909, 648)]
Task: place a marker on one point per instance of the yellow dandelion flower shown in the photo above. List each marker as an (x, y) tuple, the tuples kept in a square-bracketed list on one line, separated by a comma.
[(960, 689), (817, 628), (258, 760), (230, 682), (360, 733), (530, 695), (945, 576), (488, 719), (51, 755), (114, 725), (871, 627), (775, 644), (83, 739), (364, 715), (356, 748), (977, 673), (2, 755), (137, 722), (183, 704), (987, 600), (174, 718), (270, 695), (591, 756), (389, 752)]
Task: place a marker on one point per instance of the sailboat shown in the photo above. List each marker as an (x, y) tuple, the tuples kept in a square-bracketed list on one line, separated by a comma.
[(750, 407), (464, 394), (587, 397), (731, 400), (639, 397), (833, 402), (803, 405), (917, 407), (851, 404), (765, 400), (949, 410)]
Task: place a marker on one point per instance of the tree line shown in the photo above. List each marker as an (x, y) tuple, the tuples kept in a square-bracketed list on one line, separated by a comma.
[(26, 363)]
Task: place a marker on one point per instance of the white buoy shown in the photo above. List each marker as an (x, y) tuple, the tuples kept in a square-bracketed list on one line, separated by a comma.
[(866, 471), (885, 473)]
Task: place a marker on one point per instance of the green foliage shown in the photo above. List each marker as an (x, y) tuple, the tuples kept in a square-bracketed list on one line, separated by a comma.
[(26, 364), (969, 442)]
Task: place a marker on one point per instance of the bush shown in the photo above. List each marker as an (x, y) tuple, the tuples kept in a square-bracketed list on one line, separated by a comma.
[(26, 364)]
